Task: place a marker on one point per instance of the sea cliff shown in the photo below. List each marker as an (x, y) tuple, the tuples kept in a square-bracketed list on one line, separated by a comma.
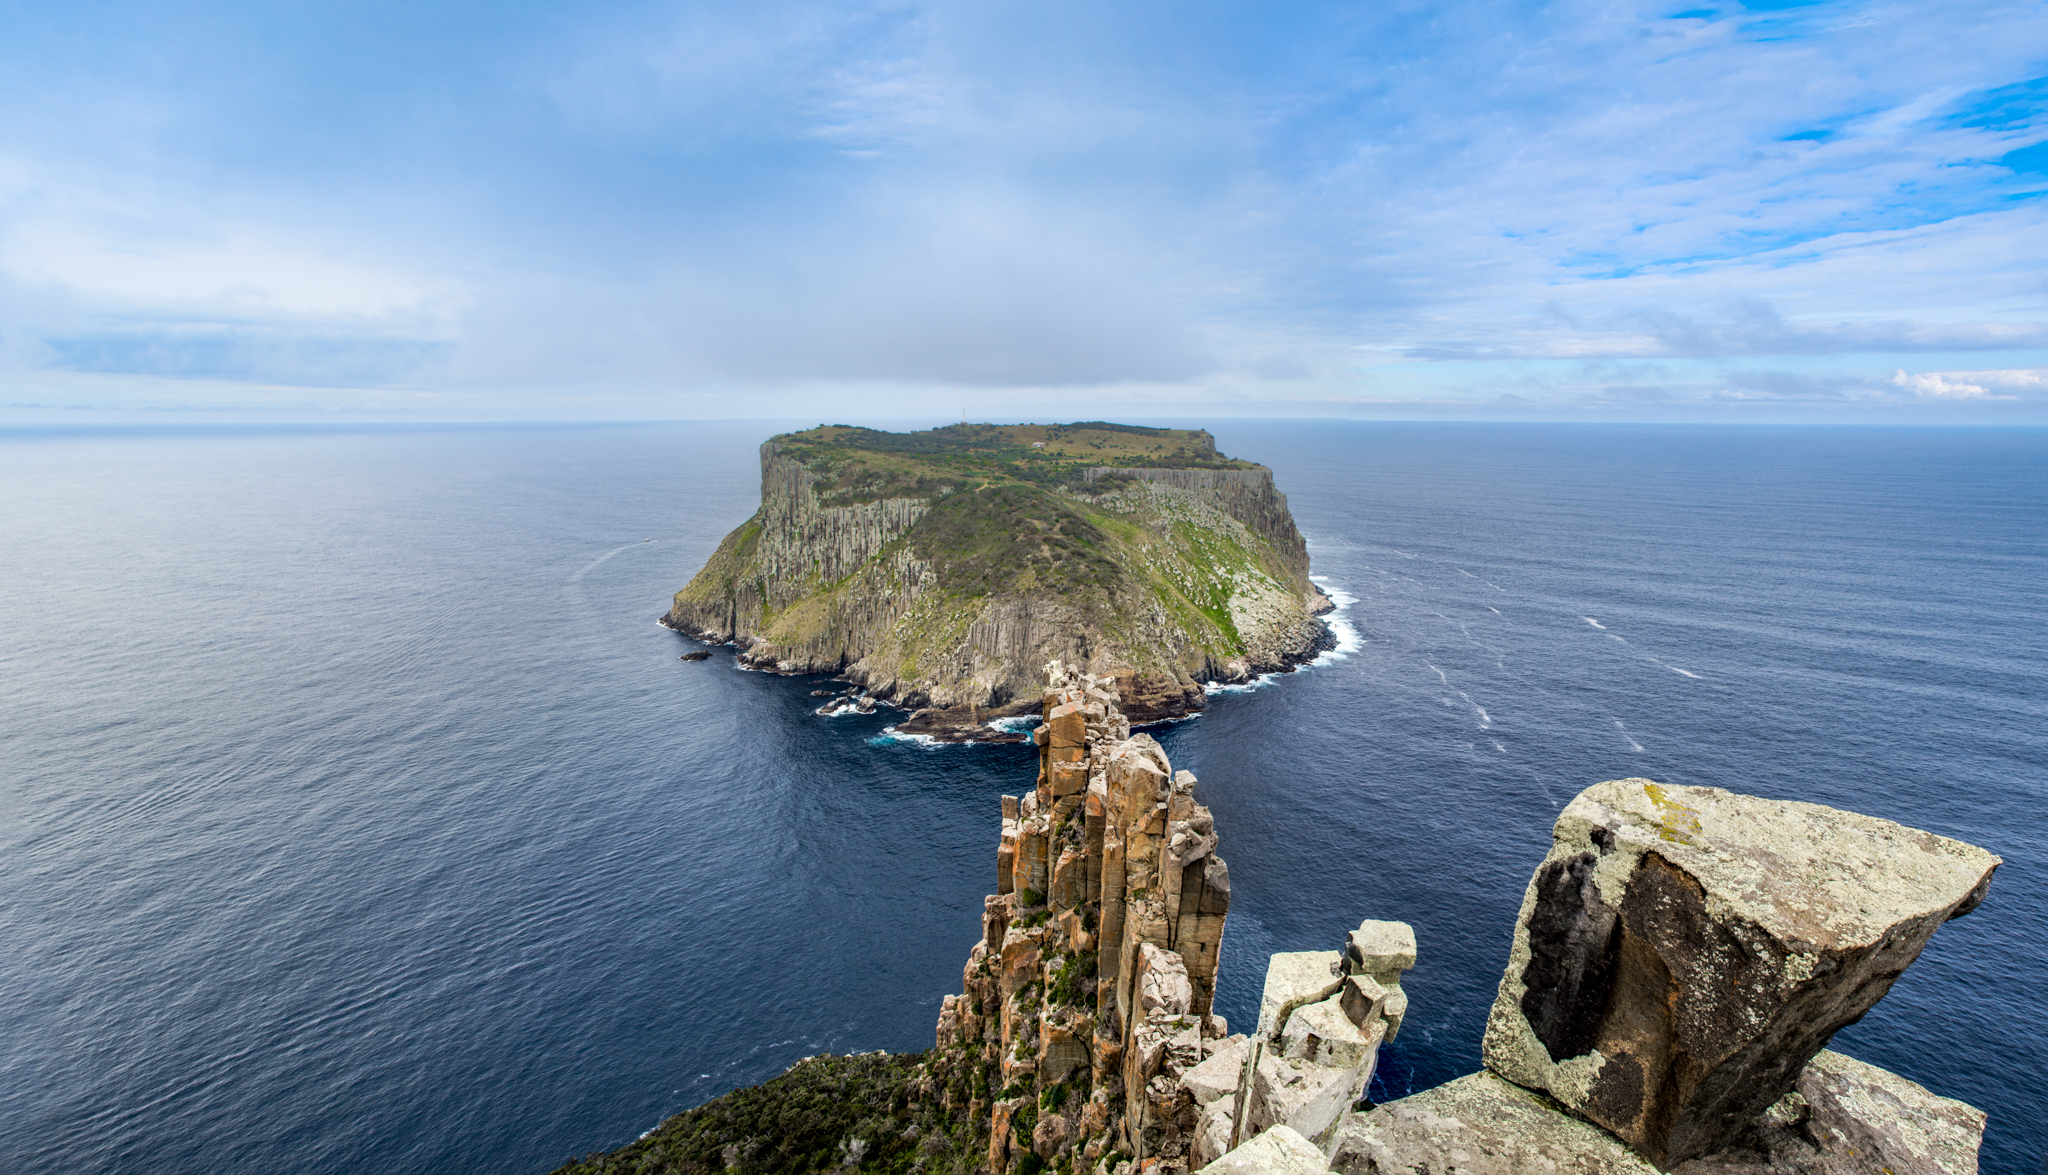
[(941, 571), (1682, 958)]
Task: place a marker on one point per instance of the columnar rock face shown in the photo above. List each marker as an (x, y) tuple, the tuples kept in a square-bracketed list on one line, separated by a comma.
[(1683, 952), (1088, 997), (1086, 1005)]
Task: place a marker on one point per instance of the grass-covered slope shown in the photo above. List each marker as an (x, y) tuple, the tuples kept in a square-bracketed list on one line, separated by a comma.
[(943, 569), (868, 1113)]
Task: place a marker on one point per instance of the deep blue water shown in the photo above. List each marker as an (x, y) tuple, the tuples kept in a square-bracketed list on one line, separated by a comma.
[(358, 819)]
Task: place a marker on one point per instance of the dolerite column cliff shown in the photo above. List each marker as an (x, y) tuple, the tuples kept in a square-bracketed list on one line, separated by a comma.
[(1085, 1014), (1090, 990)]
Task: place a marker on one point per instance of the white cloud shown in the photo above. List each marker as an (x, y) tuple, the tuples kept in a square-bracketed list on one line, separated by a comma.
[(1972, 385), (1061, 195)]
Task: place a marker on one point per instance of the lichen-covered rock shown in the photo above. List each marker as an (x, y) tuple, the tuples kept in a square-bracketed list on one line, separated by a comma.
[(1478, 1125), (1279, 1151), (1848, 1118), (1844, 1118), (1684, 951)]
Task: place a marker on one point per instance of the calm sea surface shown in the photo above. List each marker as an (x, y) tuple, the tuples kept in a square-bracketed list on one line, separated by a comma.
[(355, 816)]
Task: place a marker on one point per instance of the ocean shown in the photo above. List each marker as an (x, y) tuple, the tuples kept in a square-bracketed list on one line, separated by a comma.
[(358, 818)]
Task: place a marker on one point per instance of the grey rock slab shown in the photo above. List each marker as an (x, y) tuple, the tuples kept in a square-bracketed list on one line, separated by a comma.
[(1844, 1118), (1376, 947), (1303, 1095), (1295, 978), (1324, 1034), (1279, 1151), (1682, 952), (1848, 1118), (1217, 1077), (1477, 1125)]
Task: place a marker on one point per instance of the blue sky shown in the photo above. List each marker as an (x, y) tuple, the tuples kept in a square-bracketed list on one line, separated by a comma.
[(629, 210)]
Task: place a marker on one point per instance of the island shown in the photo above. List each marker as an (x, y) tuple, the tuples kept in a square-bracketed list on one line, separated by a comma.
[(941, 571)]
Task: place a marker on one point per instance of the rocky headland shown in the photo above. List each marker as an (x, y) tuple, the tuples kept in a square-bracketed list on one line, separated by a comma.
[(1682, 958), (941, 571)]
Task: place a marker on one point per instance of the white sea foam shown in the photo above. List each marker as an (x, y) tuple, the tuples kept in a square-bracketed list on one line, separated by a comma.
[(1348, 640), (1494, 586), (1239, 687), (1018, 724), (891, 736), (1492, 609), (1622, 639), (1676, 669), (1439, 673), (1593, 622), (1467, 574)]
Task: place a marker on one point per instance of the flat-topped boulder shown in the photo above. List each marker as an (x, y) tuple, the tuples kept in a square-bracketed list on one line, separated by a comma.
[(1683, 952)]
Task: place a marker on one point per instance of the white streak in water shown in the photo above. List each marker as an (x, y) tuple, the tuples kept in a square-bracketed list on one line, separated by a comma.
[(1593, 622), (1485, 719), (592, 565)]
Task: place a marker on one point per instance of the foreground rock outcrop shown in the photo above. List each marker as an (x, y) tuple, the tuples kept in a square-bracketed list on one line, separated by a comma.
[(1682, 957), (1684, 951), (940, 571)]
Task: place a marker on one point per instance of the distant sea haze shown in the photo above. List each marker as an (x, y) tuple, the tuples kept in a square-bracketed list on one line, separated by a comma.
[(359, 819)]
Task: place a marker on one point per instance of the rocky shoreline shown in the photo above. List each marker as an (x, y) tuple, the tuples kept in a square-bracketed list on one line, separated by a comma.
[(1154, 700)]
